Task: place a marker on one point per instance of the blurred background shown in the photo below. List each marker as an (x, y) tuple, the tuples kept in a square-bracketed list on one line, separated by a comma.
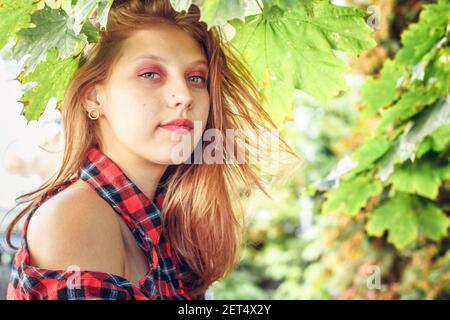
[(292, 250)]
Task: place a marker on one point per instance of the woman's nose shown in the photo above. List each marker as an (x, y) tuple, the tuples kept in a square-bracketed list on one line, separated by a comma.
[(183, 101), (181, 97)]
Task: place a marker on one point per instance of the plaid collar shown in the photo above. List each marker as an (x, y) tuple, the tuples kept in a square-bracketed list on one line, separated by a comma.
[(111, 183)]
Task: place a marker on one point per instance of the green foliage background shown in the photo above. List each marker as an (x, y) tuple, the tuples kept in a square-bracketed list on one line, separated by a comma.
[(385, 208), (372, 197)]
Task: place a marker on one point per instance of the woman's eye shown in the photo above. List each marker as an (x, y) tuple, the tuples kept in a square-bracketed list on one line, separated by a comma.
[(200, 79), (152, 76), (150, 73)]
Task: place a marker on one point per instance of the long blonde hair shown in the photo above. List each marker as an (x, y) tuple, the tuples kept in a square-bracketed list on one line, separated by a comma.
[(199, 219)]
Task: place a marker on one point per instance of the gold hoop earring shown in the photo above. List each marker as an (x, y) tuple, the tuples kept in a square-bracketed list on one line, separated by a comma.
[(93, 114)]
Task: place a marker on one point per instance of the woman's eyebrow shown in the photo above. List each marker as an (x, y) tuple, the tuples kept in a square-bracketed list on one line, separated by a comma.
[(157, 58)]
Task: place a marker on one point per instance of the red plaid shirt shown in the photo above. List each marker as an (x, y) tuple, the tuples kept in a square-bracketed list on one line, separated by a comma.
[(142, 216)]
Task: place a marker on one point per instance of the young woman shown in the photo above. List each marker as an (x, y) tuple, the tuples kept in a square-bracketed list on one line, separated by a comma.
[(123, 218)]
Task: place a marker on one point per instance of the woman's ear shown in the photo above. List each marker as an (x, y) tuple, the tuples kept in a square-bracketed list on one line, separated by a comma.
[(94, 97)]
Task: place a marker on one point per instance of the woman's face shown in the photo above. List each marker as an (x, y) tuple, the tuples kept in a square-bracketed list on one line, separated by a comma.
[(160, 76)]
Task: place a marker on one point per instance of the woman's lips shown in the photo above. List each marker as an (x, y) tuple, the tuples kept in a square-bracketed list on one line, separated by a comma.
[(177, 129)]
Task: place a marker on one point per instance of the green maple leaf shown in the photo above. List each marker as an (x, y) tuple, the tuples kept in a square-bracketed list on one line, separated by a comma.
[(54, 4), (84, 9), (369, 152), (426, 122), (14, 15), (438, 71), (214, 12), (418, 45), (181, 5), (218, 12), (412, 102), (81, 11), (51, 77), (351, 195), (102, 12), (91, 32), (292, 49), (397, 216), (422, 36), (380, 92), (437, 141), (403, 216), (422, 178), (433, 221), (52, 29), (286, 4)]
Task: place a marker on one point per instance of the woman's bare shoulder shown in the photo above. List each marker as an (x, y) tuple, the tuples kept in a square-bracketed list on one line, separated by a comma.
[(76, 227)]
